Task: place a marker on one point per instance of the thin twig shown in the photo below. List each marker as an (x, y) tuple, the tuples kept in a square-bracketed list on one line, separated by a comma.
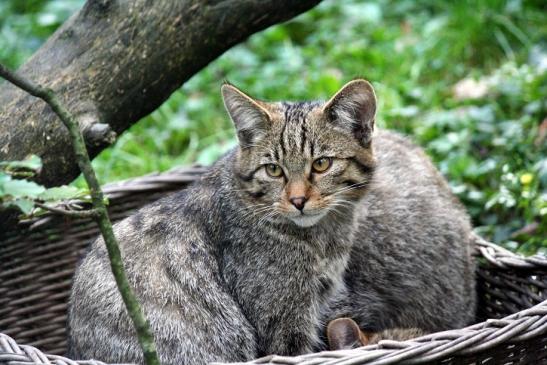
[(144, 334), (89, 213)]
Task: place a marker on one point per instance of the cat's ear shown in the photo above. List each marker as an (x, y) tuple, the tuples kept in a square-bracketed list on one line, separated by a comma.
[(344, 333), (250, 119), (353, 109)]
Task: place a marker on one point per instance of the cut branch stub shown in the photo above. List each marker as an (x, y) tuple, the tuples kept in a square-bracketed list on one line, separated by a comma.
[(99, 134)]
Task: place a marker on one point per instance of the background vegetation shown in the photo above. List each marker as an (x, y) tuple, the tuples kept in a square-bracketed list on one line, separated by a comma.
[(465, 79)]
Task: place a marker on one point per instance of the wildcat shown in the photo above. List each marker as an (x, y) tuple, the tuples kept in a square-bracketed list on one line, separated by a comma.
[(314, 216), (344, 333)]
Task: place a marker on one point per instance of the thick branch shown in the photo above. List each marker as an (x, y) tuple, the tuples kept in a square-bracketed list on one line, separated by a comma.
[(142, 328), (114, 62)]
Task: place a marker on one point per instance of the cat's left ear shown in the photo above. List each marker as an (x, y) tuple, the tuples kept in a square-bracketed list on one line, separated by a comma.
[(353, 109), (251, 119)]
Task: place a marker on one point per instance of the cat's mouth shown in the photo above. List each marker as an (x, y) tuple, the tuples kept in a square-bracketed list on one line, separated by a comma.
[(307, 219)]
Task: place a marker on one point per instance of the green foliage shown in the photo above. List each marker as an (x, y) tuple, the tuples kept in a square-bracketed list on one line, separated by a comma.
[(491, 151), (33, 163), (22, 193), (26, 24), (485, 135)]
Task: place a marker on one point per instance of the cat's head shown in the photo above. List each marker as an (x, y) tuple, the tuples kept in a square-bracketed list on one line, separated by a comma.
[(300, 161)]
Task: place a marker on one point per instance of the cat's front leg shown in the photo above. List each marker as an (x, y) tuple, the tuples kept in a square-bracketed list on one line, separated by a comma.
[(300, 306), (291, 330), (282, 292)]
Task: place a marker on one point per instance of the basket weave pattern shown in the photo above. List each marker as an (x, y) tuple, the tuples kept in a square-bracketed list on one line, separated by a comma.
[(38, 259)]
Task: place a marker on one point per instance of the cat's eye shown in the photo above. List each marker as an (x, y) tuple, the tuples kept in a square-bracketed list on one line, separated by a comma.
[(274, 170), (322, 164)]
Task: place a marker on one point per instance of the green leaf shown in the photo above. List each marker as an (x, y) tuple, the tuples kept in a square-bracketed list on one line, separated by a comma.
[(61, 193), (25, 205), (3, 179), (22, 188), (32, 162)]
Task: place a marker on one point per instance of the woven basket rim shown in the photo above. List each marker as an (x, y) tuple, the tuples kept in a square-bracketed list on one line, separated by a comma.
[(520, 326)]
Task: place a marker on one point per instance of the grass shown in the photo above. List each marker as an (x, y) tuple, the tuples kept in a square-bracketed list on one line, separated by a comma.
[(489, 147)]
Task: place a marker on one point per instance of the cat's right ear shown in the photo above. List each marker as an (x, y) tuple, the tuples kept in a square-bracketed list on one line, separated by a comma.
[(344, 333), (353, 109), (250, 119)]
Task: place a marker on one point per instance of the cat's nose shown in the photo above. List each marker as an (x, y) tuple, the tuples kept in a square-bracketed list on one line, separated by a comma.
[(298, 202)]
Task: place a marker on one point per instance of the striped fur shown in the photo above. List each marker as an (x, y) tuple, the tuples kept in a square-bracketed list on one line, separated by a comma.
[(231, 269), (292, 136)]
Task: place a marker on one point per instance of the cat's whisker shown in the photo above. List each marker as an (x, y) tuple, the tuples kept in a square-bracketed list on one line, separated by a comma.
[(267, 216), (335, 199), (337, 206), (339, 200), (256, 211), (351, 187), (248, 212), (253, 207)]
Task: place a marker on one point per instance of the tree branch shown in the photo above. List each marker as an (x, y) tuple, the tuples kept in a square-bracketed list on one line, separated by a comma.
[(90, 213), (144, 334), (114, 62)]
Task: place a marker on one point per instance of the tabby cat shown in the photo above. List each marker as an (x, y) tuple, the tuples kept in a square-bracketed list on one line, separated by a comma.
[(344, 333), (314, 216)]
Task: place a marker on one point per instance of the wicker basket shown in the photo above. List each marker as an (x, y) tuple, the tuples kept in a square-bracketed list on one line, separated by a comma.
[(37, 261)]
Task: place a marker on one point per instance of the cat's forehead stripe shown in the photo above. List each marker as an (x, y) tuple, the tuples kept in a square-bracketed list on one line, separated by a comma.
[(281, 143), (294, 134), (303, 133)]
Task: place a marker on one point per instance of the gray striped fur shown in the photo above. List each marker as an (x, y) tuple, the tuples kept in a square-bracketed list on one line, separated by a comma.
[(229, 269)]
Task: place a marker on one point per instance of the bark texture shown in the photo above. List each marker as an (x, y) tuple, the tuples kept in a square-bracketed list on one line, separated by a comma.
[(114, 62)]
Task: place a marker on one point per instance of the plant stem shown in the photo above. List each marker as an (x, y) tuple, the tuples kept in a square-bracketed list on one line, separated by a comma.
[(144, 334), (89, 213)]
